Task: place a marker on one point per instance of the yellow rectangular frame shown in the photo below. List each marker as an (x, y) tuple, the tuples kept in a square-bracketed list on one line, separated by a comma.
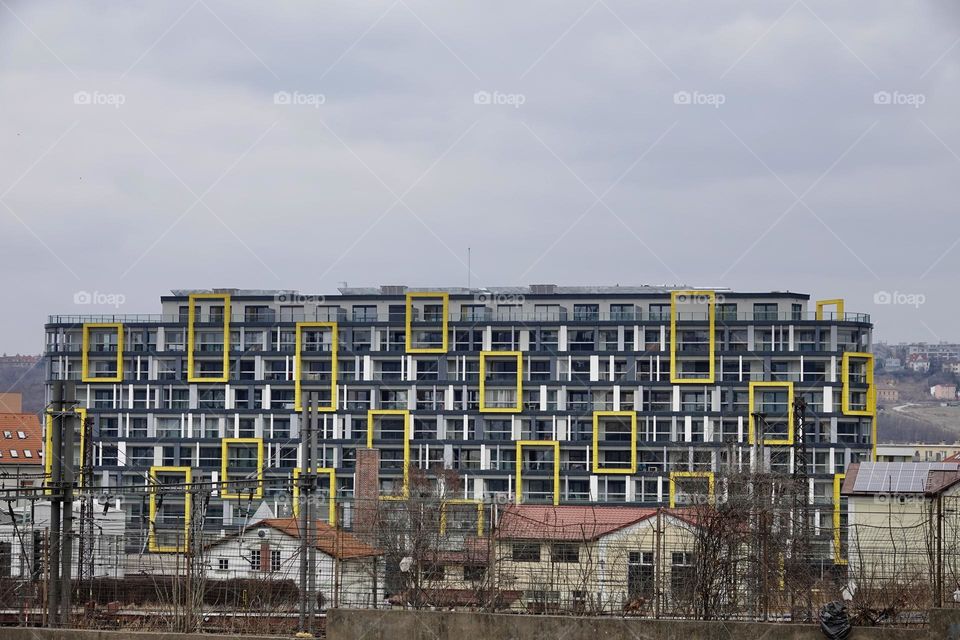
[(298, 365), (85, 351), (483, 387), (48, 446), (187, 500), (871, 409), (332, 510), (751, 431), (443, 513), (690, 474), (712, 317), (191, 319), (427, 295), (556, 466), (371, 416), (224, 482), (837, 551), (836, 302), (633, 441)]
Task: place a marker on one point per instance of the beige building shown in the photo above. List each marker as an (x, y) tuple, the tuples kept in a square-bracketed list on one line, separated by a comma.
[(892, 513), (597, 559), (887, 395)]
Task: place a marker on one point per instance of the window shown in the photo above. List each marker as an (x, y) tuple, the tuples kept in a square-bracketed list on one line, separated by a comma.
[(622, 312), (586, 312), (255, 559), (432, 572), (565, 552), (765, 311), (526, 552), (223, 564), (796, 311), (364, 313), (727, 311), (640, 574), (659, 312), (275, 560), (474, 572)]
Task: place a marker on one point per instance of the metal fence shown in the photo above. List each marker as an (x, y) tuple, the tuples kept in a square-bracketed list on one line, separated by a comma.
[(753, 553)]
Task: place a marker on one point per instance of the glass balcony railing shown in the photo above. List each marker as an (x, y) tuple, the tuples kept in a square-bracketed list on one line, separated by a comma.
[(344, 315)]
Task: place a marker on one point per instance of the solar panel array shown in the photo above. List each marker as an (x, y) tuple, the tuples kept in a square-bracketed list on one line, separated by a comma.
[(897, 477)]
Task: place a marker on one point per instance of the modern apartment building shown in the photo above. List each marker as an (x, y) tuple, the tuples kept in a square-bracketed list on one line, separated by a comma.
[(551, 394)]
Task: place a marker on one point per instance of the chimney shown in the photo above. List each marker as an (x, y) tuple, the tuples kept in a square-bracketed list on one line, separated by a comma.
[(366, 494)]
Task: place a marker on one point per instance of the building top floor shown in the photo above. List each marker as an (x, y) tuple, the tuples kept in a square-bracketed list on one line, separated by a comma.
[(534, 303)]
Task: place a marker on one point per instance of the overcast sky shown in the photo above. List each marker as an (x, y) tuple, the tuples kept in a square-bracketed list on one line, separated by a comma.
[(765, 144)]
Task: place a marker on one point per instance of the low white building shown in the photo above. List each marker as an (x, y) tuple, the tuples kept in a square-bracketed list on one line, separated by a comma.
[(21, 540), (350, 573)]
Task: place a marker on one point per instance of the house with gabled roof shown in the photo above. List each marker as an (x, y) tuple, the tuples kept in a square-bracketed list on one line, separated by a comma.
[(574, 558), (350, 573)]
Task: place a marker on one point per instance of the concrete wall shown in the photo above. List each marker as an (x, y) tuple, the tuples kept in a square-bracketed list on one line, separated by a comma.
[(20, 633), (435, 625)]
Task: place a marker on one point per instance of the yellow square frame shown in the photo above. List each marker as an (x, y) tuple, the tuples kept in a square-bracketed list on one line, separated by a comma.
[(835, 302), (444, 297), (48, 447), (690, 474), (837, 550), (474, 501), (187, 500), (85, 352), (751, 432), (191, 319), (483, 385), (332, 510), (224, 449), (371, 417), (633, 441), (556, 466), (298, 365), (712, 317), (871, 409)]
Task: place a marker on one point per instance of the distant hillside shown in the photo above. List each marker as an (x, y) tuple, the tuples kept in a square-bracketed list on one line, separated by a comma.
[(23, 374)]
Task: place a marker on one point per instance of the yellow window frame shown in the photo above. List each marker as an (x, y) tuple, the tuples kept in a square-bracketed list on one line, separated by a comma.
[(751, 431), (225, 493), (837, 546), (85, 351), (871, 409), (483, 385), (332, 509), (835, 302), (555, 444), (674, 475), (597, 415)]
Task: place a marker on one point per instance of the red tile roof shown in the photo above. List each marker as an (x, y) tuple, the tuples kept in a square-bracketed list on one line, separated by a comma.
[(11, 426), (333, 542), (567, 522)]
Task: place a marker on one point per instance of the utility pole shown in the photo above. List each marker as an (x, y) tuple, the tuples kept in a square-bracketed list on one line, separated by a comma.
[(307, 511), (55, 487), (86, 554), (66, 553)]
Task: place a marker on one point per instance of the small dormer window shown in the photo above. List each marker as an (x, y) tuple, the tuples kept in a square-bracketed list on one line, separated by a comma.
[(21, 435), (7, 435), (14, 454), (27, 453)]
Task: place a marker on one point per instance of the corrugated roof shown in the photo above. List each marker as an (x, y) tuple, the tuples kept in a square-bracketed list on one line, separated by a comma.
[(567, 522), (21, 439)]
